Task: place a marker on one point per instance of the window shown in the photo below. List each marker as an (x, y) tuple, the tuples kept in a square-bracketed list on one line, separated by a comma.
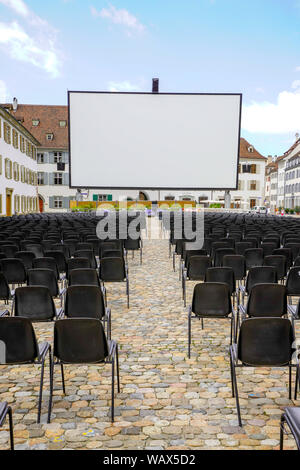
[(8, 168), (253, 169), (17, 204), (15, 139), (58, 202), (16, 172), (40, 158), (22, 144), (49, 136), (35, 122), (58, 178), (62, 123), (7, 133), (253, 185), (57, 157), (250, 149)]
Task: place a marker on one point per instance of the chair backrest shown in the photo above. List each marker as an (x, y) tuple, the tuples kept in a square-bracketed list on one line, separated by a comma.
[(197, 267), (112, 254), (35, 248), (84, 246), (112, 269), (267, 300), (35, 303), (287, 252), (80, 341), (59, 258), (237, 263), (293, 281), (20, 342), (89, 254), (266, 342), (4, 288), (212, 299), (43, 277), (254, 257), (260, 275), (220, 253), (84, 277), (279, 263), (130, 244), (223, 275), (46, 263), (9, 250), (14, 270), (27, 257), (63, 248), (241, 247), (295, 249), (268, 248), (84, 302)]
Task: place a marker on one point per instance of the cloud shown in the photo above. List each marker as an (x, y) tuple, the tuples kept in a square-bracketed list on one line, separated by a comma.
[(4, 94), (37, 46), (122, 86), (274, 118), (121, 17), (18, 6)]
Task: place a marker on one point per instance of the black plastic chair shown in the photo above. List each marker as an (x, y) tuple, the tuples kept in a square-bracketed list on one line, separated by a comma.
[(87, 301), (89, 254), (263, 342), (287, 252), (46, 278), (5, 410), (84, 277), (241, 247), (195, 271), (83, 341), (14, 271), (114, 270), (291, 418), (21, 347), (36, 304), (60, 260), (9, 250), (5, 292), (210, 300), (37, 249), (279, 263), (27, 258), (224, 275), (77, 263), (238, 264), (134, 245), (46, 263), (219, 255), (258, 275), (254, 257)]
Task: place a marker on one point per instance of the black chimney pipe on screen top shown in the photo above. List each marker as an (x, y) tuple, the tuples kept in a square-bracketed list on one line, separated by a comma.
[(155, 85)]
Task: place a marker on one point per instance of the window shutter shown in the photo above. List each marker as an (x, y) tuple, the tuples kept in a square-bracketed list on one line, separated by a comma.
[(51, 202), (65, 157), (46, 157), (46, 178), (51, 158), (66, 203), (51, 178), (66, 179)]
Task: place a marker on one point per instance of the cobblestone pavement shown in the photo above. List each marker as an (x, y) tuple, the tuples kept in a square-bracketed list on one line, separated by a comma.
[(166, 400)]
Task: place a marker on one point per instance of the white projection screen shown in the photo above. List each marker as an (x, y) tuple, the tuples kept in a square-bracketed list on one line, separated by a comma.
[(154, 140)]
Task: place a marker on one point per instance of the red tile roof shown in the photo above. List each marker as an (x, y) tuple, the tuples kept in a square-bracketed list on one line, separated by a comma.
[(244, 151), (49, 117)]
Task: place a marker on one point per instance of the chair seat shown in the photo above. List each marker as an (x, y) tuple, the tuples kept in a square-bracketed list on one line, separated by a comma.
[(292, 416)]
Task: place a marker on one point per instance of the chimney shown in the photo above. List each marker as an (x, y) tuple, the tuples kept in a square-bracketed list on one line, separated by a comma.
[(270, 158), (15, 104)]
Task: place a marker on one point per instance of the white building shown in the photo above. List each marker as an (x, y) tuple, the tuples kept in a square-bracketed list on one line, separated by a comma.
[(18, 167)]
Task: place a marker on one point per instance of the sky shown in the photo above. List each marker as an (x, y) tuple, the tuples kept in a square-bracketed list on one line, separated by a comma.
[(194, 46)]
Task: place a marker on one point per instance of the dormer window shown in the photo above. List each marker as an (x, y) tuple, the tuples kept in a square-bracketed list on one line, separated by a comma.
[(35, 122), (62, 123), (49, 136), (250, 149)]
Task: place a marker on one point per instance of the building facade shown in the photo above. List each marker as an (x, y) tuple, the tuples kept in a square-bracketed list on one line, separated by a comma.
[(18, 167)]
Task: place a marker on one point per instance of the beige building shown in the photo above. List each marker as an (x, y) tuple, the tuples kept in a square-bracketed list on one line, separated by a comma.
[(18, 167)]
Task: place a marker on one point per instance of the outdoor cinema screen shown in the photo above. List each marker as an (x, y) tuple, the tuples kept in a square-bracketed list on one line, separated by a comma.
[(154, 140)]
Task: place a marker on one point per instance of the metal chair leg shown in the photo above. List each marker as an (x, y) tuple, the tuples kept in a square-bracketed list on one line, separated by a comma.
[(11, 428), (63, 378), (51, 390), (282, 421), (189, 335), (236, 394), (113, 390), (41, 392), (118, 369)]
